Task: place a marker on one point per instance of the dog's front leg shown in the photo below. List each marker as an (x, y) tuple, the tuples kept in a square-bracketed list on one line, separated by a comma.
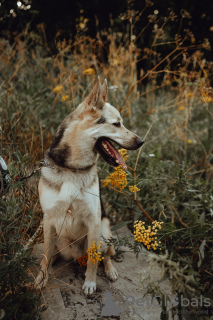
[(94, 230), (50, 239), (55, 206)]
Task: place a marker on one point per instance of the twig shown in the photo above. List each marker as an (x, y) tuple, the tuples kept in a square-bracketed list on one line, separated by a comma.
[(142, 146), (208, 272), (179, 218), (119, 191), (30, 241), (144, 212), (209, 111), (138, 204)]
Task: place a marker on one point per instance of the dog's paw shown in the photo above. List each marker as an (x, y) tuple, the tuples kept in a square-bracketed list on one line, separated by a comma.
[(41, 280), (89, 287), (111, 273)]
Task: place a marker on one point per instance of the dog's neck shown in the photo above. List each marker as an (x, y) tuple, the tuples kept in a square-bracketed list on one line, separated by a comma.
[(48, 162)]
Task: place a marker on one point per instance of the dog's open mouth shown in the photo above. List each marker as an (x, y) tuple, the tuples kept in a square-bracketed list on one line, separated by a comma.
[(109, 153)]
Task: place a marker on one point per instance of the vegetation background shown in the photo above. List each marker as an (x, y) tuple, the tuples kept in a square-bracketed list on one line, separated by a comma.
[(157, 59)]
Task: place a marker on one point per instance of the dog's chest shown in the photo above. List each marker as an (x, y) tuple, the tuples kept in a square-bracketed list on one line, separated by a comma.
[(83, 210), (70, 202), (71, 225)]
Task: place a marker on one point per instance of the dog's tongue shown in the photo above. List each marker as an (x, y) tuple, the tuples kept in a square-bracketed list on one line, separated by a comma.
[(116, 155)]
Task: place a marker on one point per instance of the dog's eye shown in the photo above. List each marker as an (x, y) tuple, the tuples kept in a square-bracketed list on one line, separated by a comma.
[(117, 124)]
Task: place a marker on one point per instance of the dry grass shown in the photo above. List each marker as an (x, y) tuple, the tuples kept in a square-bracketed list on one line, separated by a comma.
[(173, 170)]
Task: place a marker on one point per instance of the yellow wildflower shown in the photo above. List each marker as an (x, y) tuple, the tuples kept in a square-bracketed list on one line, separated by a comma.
[(89, 71), (181, 108), (189, 141), (57, 89), (123, 153), (82, 25), (133, 188), (106, 182), (93, 254), (65, 98), (117, 178), (190, 95), (206, 98), (146, 235)]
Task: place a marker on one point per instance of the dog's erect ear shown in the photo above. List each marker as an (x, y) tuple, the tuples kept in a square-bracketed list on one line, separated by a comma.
[(105, 91), (95, 99)]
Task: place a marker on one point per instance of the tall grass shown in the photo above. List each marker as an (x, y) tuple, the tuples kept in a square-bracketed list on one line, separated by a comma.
[(173, 170)]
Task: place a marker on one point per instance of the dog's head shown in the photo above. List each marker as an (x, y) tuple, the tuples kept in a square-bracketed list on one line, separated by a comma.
[(93, 128), (107, 127)]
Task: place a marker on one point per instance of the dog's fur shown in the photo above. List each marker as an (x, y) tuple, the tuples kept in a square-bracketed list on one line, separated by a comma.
[(69, 184)]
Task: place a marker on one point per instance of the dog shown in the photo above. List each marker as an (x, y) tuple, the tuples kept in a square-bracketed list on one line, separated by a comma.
[(69, 185)]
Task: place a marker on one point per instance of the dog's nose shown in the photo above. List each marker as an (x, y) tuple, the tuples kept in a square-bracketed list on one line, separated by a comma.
[(140, 142)]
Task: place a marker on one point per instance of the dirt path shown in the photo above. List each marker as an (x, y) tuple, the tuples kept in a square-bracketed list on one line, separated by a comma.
[(121, 299)]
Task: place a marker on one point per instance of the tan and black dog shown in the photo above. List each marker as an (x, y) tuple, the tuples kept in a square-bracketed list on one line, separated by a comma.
[(69, 184)]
